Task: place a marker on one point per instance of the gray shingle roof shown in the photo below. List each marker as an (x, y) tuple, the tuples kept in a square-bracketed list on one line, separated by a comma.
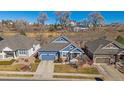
[(18, 42), (107, 51), (119, 44), (53, 46), (98, 43)]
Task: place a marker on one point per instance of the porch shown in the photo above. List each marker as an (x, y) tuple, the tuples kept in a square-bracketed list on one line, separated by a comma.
[(7, 55), (121, 56), (72, 56)]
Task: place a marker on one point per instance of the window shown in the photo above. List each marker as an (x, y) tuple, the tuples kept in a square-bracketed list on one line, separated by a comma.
[(64, 54), (61, 38), (71, 47), (22, 51)]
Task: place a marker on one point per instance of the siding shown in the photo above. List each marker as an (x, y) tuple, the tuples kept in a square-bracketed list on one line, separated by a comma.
[(60, 40), (69, 48), (18, 53), (76, 50)]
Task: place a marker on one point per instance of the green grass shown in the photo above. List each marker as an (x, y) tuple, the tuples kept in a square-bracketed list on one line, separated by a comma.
[(16, 67), (69, 69), (37, 60), (6, 66), (120, 39), (7, 62), (15, 75), (34, 67)]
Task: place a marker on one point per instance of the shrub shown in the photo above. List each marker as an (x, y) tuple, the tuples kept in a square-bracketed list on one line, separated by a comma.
[(59, 60), (120, 39), (37, 60), (23, 33), (24, 68)]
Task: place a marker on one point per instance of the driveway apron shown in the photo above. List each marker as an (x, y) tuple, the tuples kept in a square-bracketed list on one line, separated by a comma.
[(110, 72), (45, 70)]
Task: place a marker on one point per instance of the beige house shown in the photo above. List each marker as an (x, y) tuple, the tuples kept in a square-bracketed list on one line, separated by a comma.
[(102, 50)]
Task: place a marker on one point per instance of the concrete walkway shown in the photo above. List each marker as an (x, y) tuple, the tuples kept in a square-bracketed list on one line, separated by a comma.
[(45, 70), (75, 74), (110, 72)]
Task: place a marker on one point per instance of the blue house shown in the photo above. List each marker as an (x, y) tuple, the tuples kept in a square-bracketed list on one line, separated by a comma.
[(60, 47)]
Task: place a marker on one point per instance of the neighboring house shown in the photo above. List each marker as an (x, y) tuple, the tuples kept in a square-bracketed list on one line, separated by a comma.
[(60, 47), (18, 46), (76, 26), (71, 23), (102, 50), (79, 28)]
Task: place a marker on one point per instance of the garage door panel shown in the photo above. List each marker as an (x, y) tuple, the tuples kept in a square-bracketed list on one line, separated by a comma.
[(102, 60), (48, 57)]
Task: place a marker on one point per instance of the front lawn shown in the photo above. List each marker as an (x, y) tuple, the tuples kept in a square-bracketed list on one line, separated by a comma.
[(16, 67), (6, 66), (7, 62), (69, 69), (34, 67)]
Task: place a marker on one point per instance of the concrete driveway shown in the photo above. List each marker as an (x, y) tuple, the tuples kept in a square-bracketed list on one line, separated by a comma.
[(110, 72), (45, 70)]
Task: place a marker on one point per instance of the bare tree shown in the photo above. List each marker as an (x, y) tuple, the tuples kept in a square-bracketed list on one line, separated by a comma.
[(58, 16), (62, 17), (84, 23), (22, 25), (96, 19), (42, 18)]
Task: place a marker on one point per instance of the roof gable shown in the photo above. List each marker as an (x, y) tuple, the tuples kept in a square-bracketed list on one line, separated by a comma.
[(97, 44), (61, 39), (69, 47), (77, 50), (110, 46), (7, 49)]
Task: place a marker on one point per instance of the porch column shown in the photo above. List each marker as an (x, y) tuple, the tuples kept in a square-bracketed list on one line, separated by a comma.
[(3, 55), (70, 55), (14, 54)]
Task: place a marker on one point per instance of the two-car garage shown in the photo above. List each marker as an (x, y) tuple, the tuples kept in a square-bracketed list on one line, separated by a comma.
[(48, 56), (102, 60)]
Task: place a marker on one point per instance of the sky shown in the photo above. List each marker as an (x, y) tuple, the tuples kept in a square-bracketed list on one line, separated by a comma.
[(31, 16)]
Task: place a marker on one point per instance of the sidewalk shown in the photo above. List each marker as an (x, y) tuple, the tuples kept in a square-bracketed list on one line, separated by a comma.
[(74, 74)]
